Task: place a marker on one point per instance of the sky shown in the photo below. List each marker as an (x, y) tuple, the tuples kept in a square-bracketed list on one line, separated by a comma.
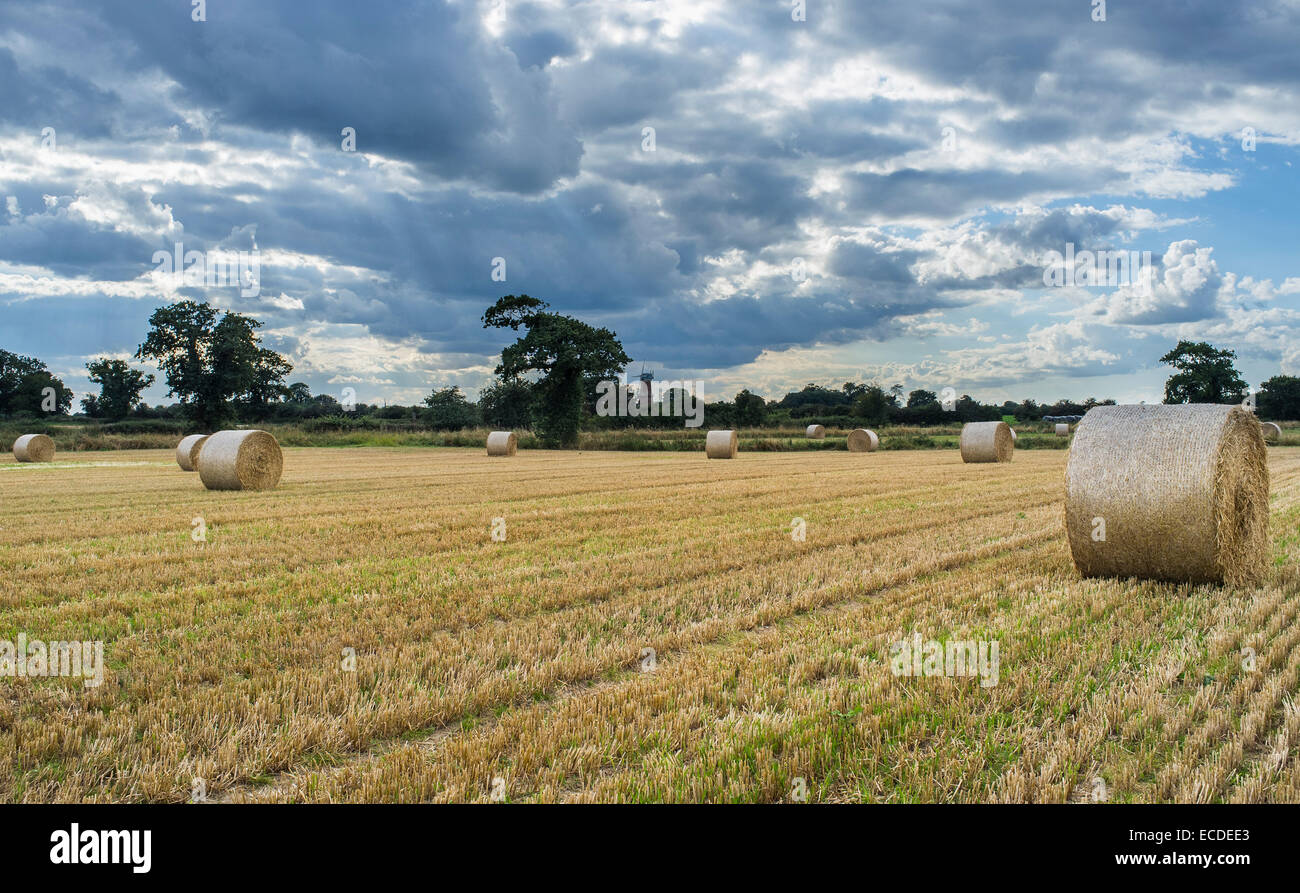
[(750, 193)]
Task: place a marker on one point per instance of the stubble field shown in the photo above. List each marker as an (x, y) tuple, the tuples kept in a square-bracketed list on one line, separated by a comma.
[(520, 670)]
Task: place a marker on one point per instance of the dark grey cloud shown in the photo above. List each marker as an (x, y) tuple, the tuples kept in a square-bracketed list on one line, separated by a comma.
[(417, 81), (536, 35), (51, 96), (1188, 51), (735, 330), (853, 260), (69, 246), (1085, 227), (944, 195), (623, 85)]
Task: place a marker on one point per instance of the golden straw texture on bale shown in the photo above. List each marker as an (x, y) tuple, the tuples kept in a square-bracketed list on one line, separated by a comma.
[(1270, 430), (1062, 429), (721, 444), (240, 460), (862, 440), (34, 448), (986, 442), (816, 432), (502, 443), (187, 451), (1182, 492)]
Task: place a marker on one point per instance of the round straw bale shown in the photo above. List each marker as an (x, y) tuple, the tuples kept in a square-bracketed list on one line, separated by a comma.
[(1271, 430), (816, 432), (721, 445), (863, 441), (1175, 492), (986, 442), (502, 443), (1013, 435), (34, 448), (187, 451), (240, 460), (1062, 429)]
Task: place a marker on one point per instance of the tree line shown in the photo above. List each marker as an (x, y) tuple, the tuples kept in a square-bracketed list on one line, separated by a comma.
[(213, 362)]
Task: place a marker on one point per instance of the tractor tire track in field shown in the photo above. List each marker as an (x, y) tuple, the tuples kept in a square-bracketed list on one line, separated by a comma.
[(819, 600), (287, 784)]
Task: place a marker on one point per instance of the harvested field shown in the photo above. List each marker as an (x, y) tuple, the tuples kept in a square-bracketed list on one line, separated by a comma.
[(525, 660)]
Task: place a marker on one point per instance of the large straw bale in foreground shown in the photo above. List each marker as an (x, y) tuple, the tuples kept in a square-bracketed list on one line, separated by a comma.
[(721, 445), (863, 440), (1168, 493), (502, 443), (187, 451), (816, 432), (240, 460), (986, 442), (1271, 430), (34, 448)]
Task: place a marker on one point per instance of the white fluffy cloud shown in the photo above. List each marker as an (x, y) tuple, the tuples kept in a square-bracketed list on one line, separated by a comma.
[(1184, 287)]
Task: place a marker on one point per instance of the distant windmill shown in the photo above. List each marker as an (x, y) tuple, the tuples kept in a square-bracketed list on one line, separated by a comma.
[(646, 387)]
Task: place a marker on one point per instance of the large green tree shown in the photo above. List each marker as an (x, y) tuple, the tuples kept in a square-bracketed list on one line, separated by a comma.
[(1279, 398), (210, 362), (566, 351), (1204, 374), (26, 385), (119, 388)]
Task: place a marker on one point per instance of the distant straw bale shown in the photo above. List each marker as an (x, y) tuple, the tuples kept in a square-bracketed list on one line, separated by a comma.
[(987, 442), (187, 451), (721, 444), (502, 443), (863, 440), (34, 448)]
